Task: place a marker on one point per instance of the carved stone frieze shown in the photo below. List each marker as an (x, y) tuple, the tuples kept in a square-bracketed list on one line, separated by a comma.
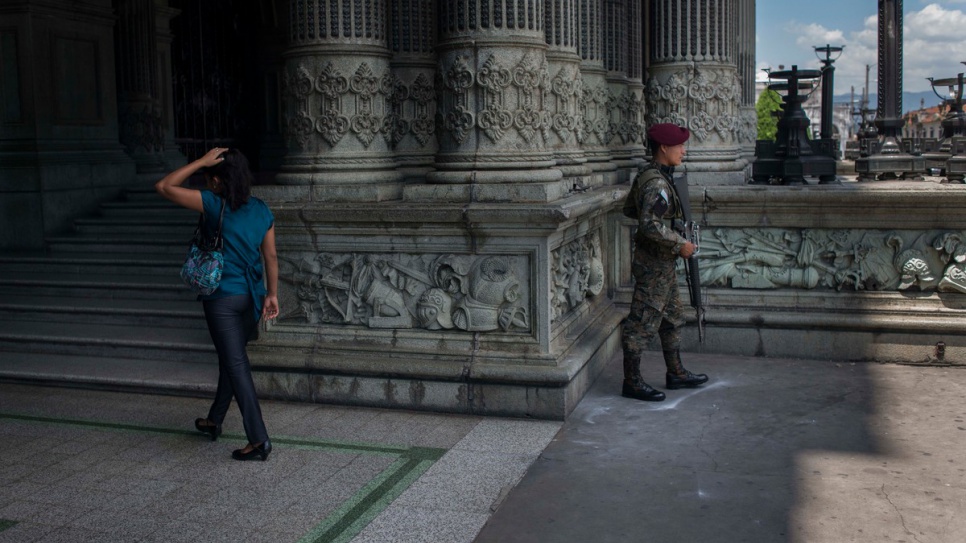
[(577, 269), (705, 99), (332, 103), (511, 96), (834, 259), (395, 290)]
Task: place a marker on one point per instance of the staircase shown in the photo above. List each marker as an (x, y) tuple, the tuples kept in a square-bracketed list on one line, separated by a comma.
[(105, 307)]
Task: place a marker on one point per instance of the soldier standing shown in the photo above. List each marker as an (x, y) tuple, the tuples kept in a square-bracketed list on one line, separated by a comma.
[(656, 307)]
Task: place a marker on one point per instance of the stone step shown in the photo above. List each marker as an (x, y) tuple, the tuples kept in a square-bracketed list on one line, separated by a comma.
[(147, 210), (168, 313), (51, 283), (118, 245), (143, 227), (110, 373), (146, 194), (107, 340), (141, 264)]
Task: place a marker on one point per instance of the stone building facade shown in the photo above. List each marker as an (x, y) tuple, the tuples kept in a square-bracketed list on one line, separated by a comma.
[(445, 174)]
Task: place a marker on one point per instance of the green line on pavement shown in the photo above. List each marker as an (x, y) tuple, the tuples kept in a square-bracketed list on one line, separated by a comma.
[(345, 522), (4, 524), (358, 511), (321, 444)]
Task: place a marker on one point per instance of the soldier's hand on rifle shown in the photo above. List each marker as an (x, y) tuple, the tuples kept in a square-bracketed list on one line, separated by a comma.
[(687, 249)]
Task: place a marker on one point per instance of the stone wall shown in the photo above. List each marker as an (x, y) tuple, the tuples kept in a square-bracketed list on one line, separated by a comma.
[(59, 149)]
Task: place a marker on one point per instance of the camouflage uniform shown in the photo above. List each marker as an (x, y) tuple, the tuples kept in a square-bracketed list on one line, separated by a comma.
[(656, 306)]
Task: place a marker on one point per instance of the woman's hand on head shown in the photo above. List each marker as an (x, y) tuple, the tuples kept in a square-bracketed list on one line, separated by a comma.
[(213, 157)]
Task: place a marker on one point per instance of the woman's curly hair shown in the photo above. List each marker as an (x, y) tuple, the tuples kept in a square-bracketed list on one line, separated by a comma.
[(236, 176)]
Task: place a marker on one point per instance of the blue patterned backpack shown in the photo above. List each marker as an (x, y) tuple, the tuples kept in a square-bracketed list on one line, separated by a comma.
[(203, 266)]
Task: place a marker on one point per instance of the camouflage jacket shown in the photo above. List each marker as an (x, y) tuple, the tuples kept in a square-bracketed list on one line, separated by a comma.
[(654, 203)]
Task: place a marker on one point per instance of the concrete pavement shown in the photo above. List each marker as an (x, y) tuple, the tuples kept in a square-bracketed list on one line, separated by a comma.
[(770, 451)]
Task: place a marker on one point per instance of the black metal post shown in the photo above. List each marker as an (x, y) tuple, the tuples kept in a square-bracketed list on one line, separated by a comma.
[(889, 161), (828, 88)]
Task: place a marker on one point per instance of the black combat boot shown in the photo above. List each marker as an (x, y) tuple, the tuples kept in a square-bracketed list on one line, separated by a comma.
[(678, 377), (634, 385)]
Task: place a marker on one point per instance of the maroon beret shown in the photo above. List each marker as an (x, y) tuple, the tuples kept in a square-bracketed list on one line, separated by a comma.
[(668, 134)]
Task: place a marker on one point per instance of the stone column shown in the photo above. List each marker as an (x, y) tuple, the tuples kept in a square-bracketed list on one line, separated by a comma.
[(141, 124), (593, 101), (493, 111), (411, 126), (335, 87), (748, 117), (566, 90), (622, 48), (693, 81), (173, 158)]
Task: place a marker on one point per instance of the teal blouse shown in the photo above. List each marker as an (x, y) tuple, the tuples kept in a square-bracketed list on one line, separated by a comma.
[(243, 231)]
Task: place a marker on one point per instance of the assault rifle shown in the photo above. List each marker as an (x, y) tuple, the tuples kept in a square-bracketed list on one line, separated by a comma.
[(691, 232)]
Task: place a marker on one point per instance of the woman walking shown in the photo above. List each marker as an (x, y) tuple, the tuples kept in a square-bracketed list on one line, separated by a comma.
[(232, 311)]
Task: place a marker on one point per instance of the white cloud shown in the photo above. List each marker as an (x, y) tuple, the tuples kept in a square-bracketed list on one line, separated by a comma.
[(934, 44)]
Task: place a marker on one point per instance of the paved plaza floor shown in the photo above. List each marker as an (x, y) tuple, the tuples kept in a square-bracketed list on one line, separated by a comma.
[(769, 451)]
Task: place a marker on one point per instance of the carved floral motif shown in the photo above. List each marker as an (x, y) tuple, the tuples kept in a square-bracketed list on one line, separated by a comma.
[(463, 292), (704, 99), (835, 259), (594, 114), (577, 269), (364, 104), (567, 88), (453, 114)]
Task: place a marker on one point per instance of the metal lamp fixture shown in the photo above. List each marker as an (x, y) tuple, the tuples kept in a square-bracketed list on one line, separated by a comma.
[(954, 126)]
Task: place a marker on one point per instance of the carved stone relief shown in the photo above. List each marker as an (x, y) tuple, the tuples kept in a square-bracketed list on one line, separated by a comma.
[(834, 259), (703, 99), (567, 89), (433, 292), (512, 96), (625, 113), (577, 269), (594, 112), (331, 104), (453, 116)]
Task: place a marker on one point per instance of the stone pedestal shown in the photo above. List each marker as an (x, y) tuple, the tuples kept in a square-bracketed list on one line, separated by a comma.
[(473, 308)]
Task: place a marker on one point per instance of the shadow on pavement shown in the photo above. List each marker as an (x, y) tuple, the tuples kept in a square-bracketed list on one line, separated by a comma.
[(715, 464)]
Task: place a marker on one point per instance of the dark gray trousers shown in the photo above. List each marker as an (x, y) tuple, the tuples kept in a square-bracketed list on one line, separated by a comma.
[(230, 323)]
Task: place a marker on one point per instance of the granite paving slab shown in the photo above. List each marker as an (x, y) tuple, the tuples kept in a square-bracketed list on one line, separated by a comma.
[(93, 465)]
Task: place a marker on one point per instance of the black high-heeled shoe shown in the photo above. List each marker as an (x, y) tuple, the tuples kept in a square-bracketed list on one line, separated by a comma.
[(205, 426), (260, 451)]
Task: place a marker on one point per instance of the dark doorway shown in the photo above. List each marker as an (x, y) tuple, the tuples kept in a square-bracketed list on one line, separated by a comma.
[(217, 92)]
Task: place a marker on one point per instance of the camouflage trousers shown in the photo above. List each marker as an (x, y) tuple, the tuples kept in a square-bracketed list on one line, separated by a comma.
[(655, 309)]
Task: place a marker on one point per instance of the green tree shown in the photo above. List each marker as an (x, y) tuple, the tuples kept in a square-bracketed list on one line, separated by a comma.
[(768, 107)]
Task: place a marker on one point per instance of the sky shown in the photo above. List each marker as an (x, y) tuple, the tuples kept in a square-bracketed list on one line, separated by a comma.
[(934, 40)]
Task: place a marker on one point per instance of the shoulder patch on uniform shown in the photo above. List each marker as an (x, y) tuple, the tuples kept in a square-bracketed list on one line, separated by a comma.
[(660, 205)]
